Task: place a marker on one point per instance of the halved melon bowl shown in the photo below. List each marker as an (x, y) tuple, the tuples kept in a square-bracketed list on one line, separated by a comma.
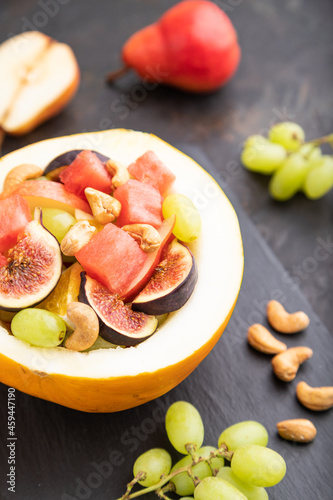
[(109, 380)]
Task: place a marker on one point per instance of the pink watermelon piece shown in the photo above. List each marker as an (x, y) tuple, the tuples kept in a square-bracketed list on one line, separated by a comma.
[(86, 170), (150, 169), (141, 203), (113, 258)]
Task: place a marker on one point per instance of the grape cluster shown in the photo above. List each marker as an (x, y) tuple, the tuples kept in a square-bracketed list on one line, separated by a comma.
[(295, 165), (203, 472)]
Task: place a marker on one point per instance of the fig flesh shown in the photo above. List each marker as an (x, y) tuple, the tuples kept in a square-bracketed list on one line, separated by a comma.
[(33, 268), (171, 284), (62, 161), (119, 324)]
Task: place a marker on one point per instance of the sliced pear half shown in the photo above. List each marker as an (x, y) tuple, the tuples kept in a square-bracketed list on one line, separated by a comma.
[(38, 77)]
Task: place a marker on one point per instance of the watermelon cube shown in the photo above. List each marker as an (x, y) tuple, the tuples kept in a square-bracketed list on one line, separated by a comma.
[(86, 170), (15, 215), (113, 258), (141, 203), (149, 168)]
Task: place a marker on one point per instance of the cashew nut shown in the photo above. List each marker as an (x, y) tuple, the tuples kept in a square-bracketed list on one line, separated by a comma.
[(105, 208), (145, 235), (286, 364), (301, 430), (118, 171), (78, 236), (20, 174), (284, 322), (86, 326), (262, 340), (315, 398)]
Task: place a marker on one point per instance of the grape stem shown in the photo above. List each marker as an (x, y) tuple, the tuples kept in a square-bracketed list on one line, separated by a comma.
[(222, 452), (321, 140)]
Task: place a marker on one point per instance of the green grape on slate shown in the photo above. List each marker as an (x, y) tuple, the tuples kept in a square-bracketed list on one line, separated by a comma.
[(184, 426), (310, 151), (263, 156), (188, 221), (319, 180), (255, 141), (38, 327), (58, 222), (215, 488), (251, 492), (289, 134), (182, 482), (154, 463), (289, 178), (258, 465), (242, 433)]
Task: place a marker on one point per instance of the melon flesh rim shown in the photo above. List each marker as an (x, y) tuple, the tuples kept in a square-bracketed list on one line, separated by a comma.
[(116, 379)]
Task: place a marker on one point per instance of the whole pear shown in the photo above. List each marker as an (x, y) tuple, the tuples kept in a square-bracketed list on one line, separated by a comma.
[(193, 46)]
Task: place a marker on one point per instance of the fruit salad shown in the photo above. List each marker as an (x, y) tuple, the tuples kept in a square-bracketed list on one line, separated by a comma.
[(92, 252)]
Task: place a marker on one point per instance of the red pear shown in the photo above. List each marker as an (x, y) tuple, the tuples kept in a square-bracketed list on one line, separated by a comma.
[(193, 46)]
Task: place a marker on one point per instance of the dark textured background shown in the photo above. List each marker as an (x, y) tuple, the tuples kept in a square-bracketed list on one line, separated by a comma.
[(286, 73)]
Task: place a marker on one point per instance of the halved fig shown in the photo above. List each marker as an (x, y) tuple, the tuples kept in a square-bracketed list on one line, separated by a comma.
[(33, 267), (171, 284), (62, 161), (119, 324)]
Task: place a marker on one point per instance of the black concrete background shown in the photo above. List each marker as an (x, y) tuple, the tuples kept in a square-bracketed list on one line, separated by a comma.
[(286, 73)]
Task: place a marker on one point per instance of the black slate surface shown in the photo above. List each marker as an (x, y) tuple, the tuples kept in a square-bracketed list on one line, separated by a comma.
[(63, 454)]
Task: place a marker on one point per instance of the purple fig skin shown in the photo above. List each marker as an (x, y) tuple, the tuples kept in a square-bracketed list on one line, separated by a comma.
[(106, 331), (66, 159), (173, 300), (38, 217)]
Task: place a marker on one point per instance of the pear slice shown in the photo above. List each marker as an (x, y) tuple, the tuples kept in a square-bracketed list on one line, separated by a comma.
[(38, 78)]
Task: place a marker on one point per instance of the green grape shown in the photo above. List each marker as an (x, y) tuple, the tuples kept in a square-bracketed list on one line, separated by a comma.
[(263, 156), (320, 178), (310, 152), (184, 426), (255, 141), (215, 488), (289, 178), (188, 221), (251, 492), (187, 498), (38, 327), (216, 462), (247, 432), (258, 465), (290, 135), (57, 222), (154, 463), (182, 482)]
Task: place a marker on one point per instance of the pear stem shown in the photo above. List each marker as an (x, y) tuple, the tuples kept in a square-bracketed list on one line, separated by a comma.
[(2, 137), (111, 77)]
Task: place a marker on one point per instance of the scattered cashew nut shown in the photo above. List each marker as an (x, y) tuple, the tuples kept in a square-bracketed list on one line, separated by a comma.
[(105, 208), (300, 430), (286, 364), (145, 235), (86, 326), (284, 322), (315, 398), (78, 236), (20, 174), (262, 340), (119, 172)]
